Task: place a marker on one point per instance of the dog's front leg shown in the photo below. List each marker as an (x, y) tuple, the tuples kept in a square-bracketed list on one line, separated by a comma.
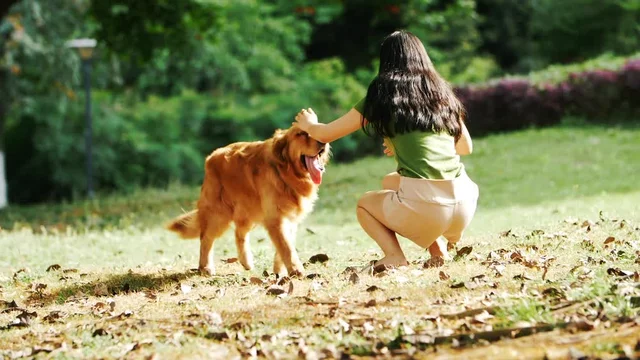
[(278, 265), (282, 234)]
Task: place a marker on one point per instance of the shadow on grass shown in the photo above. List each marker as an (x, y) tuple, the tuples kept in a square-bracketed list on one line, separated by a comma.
[(115, 284)]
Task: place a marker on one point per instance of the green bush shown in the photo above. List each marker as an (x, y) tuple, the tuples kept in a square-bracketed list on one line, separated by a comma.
[(570, 31), (161, 140), (479, 69)]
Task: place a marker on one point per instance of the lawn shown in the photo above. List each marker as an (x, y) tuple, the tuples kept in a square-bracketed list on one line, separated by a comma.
[(550, 267)]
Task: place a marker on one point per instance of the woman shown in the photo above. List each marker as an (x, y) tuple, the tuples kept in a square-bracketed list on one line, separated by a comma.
[(422, 122)]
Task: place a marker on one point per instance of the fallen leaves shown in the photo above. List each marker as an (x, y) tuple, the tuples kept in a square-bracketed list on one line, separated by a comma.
[(101, 308), (151, 294), (554, 293), (319, 258), (348, 302), (498, 269), (20, 271), (619, 272), (444, 276), (100, 332), (279, 290), (354, 278), (100, 290), (483, 317), (474, 283), (54, 267), (55, 316), (463, 252), (8, 305)]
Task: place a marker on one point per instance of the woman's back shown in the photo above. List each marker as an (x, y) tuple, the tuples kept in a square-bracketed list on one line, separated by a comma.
[(426, 155)]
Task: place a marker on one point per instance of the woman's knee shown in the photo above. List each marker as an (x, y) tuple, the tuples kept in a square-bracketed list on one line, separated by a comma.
[(365, 200)]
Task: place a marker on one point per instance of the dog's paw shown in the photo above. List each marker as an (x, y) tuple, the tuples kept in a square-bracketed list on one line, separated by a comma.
[(247, 261), (280, 271), (296, 274), (296, 271), (207, 271)]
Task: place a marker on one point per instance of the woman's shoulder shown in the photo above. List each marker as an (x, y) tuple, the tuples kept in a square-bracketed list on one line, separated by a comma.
[(359, 106)]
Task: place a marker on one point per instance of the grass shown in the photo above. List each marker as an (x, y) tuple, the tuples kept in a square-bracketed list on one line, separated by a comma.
[(550, 199)]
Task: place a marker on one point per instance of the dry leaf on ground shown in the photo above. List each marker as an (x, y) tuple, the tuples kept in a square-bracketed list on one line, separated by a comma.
[(319, 258)]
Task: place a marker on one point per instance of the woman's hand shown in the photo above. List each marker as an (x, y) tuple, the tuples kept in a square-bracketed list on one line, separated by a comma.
[(388, 148), (305, 119), (464, 145)]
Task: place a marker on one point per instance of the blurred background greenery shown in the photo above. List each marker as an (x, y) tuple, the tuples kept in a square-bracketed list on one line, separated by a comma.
[(173, 80)]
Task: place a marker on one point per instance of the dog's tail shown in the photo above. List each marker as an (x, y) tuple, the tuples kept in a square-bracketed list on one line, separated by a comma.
[(186, 225)]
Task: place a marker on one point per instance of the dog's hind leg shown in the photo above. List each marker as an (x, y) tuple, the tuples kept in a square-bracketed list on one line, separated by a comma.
[(242, 243), (211, 228), (281, 235)]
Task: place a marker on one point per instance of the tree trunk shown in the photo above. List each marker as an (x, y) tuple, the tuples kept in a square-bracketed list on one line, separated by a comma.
[(3, 183), (5, 6), (4, 104)]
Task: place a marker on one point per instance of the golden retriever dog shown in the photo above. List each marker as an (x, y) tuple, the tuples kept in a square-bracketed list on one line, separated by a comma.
[(273, 183)]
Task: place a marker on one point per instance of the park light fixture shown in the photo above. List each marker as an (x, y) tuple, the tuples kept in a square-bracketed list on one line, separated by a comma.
[(85, 49)]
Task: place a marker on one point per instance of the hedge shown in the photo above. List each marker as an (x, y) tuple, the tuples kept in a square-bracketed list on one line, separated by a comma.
[(516, 103), (162, 140)]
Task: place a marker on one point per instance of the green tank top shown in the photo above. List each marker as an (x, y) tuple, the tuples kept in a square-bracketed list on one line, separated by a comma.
[(425, 155)]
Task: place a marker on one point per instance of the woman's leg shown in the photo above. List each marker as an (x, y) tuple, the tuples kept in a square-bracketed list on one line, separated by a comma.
[(391, 181), (439, 247), (371, 218)]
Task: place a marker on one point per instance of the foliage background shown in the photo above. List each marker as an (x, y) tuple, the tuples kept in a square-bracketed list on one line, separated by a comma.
[(174, 80)]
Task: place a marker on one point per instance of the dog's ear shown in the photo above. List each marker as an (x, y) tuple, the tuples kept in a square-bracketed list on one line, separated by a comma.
[(281, 146)]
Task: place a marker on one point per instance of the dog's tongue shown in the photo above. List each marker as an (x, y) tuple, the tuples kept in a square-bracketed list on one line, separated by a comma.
[(314, 168)]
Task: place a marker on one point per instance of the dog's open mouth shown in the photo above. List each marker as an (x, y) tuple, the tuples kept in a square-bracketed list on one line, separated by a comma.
[(314, 167)]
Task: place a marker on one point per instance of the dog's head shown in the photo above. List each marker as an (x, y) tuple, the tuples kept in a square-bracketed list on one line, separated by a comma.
[(306, 155)]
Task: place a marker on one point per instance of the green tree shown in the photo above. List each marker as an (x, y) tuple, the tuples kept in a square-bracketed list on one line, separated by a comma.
[(35, 67), (504, 31), (574, 30), (223, 45)]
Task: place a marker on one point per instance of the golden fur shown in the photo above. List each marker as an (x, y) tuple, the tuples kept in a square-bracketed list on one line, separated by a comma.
[(248, 183)]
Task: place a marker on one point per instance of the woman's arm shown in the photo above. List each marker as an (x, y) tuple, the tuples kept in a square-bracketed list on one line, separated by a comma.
[(307, 120), (464, 145)]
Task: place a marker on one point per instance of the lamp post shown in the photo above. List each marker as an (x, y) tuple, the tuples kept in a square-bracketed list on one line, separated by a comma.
[(85, 48)]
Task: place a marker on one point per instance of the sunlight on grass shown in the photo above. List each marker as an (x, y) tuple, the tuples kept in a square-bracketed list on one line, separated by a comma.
[(557, 225)]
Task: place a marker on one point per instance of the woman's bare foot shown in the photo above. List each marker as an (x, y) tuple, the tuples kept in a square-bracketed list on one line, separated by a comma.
[(433, 262), (439, 249), (392, 261)]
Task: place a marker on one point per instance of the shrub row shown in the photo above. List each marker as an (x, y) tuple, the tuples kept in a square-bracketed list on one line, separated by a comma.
[(512, 104), (161, 140)]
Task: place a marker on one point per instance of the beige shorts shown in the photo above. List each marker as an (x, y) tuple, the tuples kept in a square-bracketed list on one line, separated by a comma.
[(423, 210)]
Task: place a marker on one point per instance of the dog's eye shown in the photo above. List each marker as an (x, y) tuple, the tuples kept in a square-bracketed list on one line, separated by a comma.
[(302, 133)]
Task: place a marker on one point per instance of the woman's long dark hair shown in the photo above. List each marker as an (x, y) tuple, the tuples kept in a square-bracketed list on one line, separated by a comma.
[(408, 94)]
